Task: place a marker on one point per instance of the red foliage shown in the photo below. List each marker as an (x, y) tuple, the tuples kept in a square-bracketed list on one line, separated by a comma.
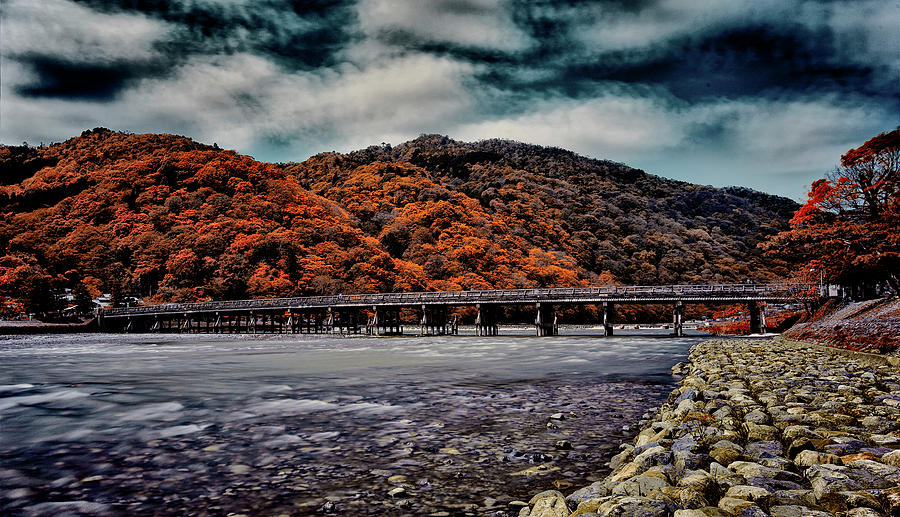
[(847, 230), (729, 328)]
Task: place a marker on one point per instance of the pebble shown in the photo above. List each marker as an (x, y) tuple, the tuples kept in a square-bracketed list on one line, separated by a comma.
[(757, 428)]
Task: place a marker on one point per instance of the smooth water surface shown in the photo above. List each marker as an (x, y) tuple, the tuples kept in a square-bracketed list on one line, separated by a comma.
[(308, 425)]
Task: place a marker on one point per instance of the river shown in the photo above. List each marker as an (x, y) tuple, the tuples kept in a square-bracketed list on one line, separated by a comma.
[(149, 424)]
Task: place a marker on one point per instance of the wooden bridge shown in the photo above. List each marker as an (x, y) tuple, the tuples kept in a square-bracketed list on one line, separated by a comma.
[(379, 314)]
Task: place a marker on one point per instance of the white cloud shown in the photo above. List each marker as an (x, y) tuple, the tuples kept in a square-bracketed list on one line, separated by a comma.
[(604, 27), (777, 146), (482, 24), (238, 100), (864, 32), (64, 30), (608, 126), (867, 32)]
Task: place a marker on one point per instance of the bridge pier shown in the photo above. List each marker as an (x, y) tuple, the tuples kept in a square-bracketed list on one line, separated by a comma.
[(545, 323), (757, 318), (328, 323), (321, 321), (434, 320), (486, 321), (677, 317), (608, 315), (346, 319), (385, 322)]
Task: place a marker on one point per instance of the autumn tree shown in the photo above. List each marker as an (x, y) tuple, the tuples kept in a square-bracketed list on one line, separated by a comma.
[(847, 229)]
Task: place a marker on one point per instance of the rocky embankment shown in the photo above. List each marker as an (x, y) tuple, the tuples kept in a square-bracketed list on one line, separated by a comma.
[(869, 326), (757, 428)]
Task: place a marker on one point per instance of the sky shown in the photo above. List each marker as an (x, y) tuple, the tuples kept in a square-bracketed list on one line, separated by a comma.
[(766, 94)]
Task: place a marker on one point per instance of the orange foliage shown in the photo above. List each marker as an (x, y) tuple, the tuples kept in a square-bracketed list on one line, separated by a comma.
[(165, 218), (846, 232), (162, 216)]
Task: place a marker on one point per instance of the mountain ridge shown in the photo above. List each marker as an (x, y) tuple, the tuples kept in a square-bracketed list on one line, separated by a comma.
[(166, 218)]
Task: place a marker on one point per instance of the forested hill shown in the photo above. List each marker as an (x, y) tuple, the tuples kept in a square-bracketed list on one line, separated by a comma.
[(163, 217), (613, 221)]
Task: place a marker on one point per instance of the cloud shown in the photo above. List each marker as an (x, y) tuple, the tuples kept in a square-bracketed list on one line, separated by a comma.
[(242, 100), (617, 124), (480, 24), (606, 27), (776, 145), (866, 32), (67, 31), (863, 32)]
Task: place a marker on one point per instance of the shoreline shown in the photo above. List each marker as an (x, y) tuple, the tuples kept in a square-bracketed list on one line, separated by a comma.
[(756, 428), (28, 328)]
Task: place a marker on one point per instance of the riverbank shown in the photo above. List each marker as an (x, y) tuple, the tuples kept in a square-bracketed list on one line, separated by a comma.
[(34, 327), (757, 428), (870, 326)]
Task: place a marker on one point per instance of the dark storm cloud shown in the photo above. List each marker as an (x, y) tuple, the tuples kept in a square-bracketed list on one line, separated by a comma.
[(297, 35), (302, 34), (752, 61), (727, 57), (72, 80), (703, 91)]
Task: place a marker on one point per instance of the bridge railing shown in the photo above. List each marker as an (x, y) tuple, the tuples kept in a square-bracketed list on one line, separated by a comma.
[(471, 297)]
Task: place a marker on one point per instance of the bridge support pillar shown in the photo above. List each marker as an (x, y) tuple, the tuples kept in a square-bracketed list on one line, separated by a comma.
[(608, 315), (677, 317), (545, 321), (425, 322), (486, 322), (346, 319), (434, 320), (757, 318), (328, 326), (352, 321), (386, 322), (372, 324)]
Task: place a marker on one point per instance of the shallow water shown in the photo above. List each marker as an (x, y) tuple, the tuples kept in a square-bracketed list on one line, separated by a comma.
[(309, 425)]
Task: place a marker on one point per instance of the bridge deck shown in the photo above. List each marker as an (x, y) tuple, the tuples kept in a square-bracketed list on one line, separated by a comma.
[(714, 293)]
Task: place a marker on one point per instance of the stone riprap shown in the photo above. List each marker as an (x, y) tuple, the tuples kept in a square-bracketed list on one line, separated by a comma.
[(757, 428)]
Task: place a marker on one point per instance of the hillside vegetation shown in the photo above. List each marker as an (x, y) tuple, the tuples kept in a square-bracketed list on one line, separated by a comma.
[(612, 221), (164, 218)]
